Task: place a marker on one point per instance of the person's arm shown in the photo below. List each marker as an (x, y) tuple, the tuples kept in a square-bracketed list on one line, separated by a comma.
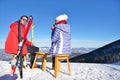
[(27, 42), (55, 36)]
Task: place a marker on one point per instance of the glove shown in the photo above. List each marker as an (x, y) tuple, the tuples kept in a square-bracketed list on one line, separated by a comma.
[(31, 17), (20, 44)]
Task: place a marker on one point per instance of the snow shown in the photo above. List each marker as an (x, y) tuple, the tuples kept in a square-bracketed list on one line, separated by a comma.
[(80, 71)]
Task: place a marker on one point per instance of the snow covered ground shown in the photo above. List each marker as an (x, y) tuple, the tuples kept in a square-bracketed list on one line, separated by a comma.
[(80, 71)]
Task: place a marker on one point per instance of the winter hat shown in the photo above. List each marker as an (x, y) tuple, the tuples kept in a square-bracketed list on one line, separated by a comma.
[(62, 17)]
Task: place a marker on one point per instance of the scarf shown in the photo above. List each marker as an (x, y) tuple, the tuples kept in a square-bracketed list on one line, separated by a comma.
[(62, 21)]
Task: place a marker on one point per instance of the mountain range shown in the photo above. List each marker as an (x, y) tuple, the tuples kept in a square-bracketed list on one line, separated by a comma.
[(75, 52), (107, 54)]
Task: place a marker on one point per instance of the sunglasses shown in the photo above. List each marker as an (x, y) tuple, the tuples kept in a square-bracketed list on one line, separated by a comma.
[(24, 20)]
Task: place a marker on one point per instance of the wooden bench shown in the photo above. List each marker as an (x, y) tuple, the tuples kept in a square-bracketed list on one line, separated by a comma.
[(44, 56), (57, 63)]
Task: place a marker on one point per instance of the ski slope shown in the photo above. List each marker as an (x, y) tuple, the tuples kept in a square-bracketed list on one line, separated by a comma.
[(80, 71)]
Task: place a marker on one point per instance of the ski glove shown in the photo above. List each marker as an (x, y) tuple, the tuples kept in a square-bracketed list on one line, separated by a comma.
[(20, 44)]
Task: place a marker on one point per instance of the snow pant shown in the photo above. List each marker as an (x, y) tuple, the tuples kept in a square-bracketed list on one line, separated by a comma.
[(53, 61), (32, 50)]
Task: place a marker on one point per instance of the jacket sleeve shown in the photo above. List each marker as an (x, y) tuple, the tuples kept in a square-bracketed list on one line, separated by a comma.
[(27, 42), (55, 36)]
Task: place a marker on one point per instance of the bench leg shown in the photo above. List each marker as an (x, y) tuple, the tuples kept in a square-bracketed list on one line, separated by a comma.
[(68, 66), (44, 63), (56, 67)]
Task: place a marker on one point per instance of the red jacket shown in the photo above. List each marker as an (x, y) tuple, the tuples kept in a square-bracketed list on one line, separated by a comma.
[(11, 44)]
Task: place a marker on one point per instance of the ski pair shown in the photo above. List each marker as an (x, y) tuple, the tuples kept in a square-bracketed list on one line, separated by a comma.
[(19, 53)]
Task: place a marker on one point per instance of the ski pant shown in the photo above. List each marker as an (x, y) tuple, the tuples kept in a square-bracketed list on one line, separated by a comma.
[(32, 50), (53, 61)]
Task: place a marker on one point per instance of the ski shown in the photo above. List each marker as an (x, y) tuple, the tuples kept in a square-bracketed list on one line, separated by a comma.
[(19, 54)]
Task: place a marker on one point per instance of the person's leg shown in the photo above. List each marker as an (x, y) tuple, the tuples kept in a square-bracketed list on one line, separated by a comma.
[(53, 62), (32, 50), (32, 57), (24, 61), (13, 59)]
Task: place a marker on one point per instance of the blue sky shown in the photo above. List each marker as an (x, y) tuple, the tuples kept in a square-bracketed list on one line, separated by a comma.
[(94, 23)]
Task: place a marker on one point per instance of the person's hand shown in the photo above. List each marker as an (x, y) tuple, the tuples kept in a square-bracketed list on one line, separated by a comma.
[(20, 44), (31, 17), (52, 28)]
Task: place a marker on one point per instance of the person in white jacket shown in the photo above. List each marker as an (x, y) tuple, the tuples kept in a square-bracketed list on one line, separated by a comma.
[(60, 37)]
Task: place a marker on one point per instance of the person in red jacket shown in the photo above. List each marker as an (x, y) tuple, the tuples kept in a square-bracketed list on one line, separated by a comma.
[(12, 41)]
